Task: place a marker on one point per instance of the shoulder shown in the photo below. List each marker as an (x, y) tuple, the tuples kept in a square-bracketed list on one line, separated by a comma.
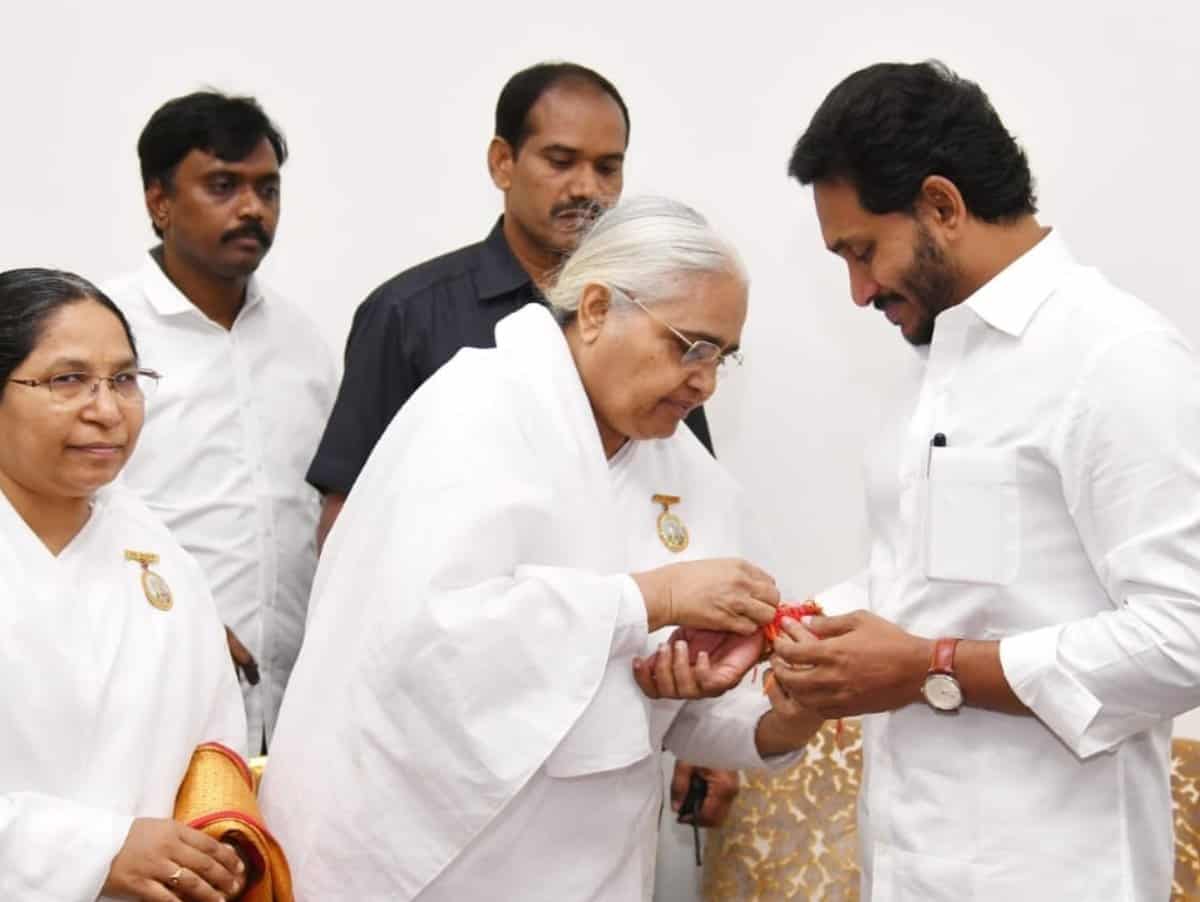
[(130, 523), (476, 399), (1127, 370), (1090, 316), (287, 317), (127, 292), (127, 514), (470, 419), (423, 280), (476, 385), (129, 519)]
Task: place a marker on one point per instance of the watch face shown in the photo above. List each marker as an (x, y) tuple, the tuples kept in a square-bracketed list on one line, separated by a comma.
[(942, 692)]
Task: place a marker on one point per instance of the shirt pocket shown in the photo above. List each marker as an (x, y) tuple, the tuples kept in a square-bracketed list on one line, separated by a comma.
[(973, 516)]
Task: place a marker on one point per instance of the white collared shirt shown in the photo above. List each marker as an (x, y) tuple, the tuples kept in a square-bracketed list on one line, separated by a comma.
[(228, 437), (1062, 517)]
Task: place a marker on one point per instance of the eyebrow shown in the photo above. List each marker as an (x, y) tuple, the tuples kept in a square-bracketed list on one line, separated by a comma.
[(711, 339), (837, 247), (575, 151), (228, 168), (77, 365)]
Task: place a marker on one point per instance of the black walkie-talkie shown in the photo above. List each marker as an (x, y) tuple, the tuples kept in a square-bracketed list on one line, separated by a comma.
[(689, 809)]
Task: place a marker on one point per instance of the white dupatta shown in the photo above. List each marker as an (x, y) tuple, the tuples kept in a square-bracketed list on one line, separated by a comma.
[(465, 612), (106, 696)]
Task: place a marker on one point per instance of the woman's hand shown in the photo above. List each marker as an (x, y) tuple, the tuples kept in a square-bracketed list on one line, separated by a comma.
[(697, 663), (165, 861), (727, 595)]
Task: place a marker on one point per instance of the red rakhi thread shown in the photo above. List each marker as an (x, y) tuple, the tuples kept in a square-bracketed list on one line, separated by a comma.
[(771, 631)]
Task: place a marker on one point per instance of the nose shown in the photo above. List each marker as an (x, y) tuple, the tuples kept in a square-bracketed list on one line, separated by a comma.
[(703, 379), (250, 205), (862, 287), (102, 407), (584, 183)]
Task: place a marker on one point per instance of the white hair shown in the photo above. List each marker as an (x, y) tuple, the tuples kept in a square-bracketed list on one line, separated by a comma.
[(641, 247)]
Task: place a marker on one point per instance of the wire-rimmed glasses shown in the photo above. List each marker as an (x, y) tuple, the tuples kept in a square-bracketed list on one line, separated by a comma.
[(127, 386)]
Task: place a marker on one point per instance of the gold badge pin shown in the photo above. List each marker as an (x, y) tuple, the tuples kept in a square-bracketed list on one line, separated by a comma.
[(158, 593), (671, 530)]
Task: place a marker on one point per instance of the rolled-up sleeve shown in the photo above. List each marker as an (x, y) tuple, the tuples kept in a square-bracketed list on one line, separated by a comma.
[(1130, 468), (719, 732)]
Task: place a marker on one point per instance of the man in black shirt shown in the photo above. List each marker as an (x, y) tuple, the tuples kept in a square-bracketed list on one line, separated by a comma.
[(558, 155)]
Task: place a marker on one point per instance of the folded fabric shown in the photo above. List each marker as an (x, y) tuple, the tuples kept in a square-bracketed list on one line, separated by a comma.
[(217, 798)]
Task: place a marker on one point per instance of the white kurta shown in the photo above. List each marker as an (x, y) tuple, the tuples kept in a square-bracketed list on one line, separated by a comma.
[(463, 721), (222, 457), (1060, 518), (106, 696)]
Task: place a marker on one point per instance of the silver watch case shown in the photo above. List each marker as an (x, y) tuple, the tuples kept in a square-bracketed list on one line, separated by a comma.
[(942, 692)]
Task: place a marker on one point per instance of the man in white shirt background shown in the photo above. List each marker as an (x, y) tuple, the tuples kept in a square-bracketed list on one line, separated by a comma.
[(247, 382), (1032, 600)]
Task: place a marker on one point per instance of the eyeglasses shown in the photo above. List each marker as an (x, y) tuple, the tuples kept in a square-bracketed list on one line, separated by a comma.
[(129, 386), (700, 351)]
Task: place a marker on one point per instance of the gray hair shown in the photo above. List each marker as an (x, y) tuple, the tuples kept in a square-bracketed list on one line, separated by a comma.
[(640, 247)]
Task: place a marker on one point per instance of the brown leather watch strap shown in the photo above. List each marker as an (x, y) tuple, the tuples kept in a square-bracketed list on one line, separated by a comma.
[(942, 660)]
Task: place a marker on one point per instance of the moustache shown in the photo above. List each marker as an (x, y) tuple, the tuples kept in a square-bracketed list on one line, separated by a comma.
[(249, 230), (589, 208), (882, 300)]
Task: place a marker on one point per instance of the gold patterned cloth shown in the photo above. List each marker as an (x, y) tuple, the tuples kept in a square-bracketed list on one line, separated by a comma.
[(217, 797), (793, 836), (1185, 789)]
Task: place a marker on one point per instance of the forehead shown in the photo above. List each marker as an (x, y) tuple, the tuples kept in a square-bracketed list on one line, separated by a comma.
[(580, 116), (83, 331), (260, 162), (843, 219), (710, 305)]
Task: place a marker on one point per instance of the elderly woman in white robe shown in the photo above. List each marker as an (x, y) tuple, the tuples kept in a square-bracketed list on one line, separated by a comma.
[(113, 658), (483, 692)]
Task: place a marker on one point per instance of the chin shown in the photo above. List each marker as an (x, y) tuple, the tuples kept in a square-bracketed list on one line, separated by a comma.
[(237, 269), (665, 430), (919, 335), (95, 478)]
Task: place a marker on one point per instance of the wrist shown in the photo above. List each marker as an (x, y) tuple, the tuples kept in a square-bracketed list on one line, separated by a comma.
[(657, 597), (942, 689), (775, 734), (920, 654)]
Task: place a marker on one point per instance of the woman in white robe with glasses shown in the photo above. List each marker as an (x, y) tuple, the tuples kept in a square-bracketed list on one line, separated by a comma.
[(480, 702), (112, 656)]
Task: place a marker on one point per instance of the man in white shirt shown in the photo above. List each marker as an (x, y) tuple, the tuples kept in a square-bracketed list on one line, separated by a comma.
[(1033, 592), (247, 382)]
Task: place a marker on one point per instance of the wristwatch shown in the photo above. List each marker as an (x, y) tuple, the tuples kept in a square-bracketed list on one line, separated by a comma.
[(941, 687)]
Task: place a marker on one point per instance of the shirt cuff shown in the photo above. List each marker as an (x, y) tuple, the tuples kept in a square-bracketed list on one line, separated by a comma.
[(1060, 701), (631, 627), (332, 476)]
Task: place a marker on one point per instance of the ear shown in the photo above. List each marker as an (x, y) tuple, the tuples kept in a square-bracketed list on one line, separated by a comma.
[(941, 206), (158, 205), (594, 308), (500, 158)]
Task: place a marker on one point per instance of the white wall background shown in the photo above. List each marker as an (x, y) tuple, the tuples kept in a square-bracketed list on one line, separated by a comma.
[(388, 110)]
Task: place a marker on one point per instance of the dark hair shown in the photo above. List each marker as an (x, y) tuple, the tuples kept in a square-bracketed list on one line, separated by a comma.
[(28, 299), (888, 127), (525, 88), (226, 127)]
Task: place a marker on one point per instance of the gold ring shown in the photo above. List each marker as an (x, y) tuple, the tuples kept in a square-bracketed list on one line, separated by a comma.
[(173, 880)]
